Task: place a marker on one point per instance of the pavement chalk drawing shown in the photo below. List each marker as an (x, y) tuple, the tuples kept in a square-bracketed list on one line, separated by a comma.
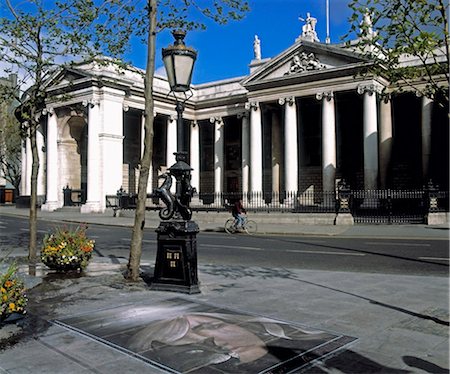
[(183, 336)]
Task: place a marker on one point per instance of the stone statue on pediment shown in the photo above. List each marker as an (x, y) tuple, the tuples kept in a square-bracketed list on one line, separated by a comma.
[(257, 48), (309, 28), (304, 62), (367, 26)]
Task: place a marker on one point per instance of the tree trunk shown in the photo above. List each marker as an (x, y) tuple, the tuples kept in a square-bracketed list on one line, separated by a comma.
[(33, 198), (139, 219)]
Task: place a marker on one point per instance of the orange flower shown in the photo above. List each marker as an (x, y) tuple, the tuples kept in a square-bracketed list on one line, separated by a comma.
[(8, 283)]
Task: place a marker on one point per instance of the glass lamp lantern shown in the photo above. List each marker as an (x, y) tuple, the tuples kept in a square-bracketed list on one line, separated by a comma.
[(179, 63)]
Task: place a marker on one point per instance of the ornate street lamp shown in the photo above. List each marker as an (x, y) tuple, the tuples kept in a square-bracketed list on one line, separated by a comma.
[(179, 63), (176, 259)]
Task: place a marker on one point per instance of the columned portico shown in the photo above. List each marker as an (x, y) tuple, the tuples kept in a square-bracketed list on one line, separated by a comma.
[(427, 106), (370, 135), (218, 153), (328, 141), (255, 147), (52, 197), (93, 203), (295, 124), (291, 168)]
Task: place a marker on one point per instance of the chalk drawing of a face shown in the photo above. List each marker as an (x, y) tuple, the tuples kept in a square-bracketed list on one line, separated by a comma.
[(221, 336)]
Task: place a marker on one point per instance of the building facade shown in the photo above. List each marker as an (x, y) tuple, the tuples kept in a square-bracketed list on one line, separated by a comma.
[(297, 123)]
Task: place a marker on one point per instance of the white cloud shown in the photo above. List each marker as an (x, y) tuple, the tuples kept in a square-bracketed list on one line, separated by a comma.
[(161, 72)]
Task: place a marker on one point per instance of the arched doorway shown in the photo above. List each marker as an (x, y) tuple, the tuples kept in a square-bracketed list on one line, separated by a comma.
[(72, 152)]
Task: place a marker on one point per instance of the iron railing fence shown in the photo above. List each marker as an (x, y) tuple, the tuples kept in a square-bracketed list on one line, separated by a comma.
[(367, 206), (388, 206), (286, 202), (308, 202)]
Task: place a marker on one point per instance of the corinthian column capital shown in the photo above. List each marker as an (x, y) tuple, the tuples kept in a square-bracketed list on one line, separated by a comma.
[(90, 103), (328, 95), (50, 111), (252, 105), (217, 120), (287, 100), (369, 88)]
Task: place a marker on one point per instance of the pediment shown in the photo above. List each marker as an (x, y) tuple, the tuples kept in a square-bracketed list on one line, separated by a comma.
[(66, 76), (303, 58)]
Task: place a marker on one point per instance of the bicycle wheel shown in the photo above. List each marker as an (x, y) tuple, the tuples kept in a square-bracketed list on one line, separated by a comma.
[(251, 227), (230, 228)]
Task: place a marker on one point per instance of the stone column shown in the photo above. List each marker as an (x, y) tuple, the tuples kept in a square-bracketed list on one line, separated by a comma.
[(29, 165), (218, 153), (427, 109), (370, 135), (195, 157), (23, 180), (41, 174), (291, 169), (93, 155), (256, 165), (328, 146), (245, 155), (54, 194), (245, 152), (171, 143), (150, 172), (110, 135), (276, 154), (385, 139)]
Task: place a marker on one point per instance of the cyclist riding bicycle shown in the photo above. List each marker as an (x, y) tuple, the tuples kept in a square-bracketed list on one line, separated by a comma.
[(238, 211)]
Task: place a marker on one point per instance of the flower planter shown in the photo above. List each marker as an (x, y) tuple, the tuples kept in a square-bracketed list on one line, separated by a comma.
[(67, 249), (62, 264), (12, 295)]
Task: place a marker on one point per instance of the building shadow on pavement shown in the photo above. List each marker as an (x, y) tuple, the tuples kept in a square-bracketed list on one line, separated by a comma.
[(424, 365), (351, 362)]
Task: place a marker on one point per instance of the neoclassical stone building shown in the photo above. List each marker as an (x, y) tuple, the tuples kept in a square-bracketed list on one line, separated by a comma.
[(298, 122)]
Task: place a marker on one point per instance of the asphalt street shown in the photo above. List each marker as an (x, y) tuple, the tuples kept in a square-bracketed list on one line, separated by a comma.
[(376, 255)]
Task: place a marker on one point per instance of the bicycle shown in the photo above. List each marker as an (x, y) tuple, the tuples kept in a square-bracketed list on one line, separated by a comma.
[(248, 225)]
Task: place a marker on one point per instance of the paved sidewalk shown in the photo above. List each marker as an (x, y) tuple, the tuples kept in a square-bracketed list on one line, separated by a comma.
[(400, 322)]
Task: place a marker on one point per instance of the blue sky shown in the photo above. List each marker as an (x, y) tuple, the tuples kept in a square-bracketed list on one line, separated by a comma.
[(226, 51)]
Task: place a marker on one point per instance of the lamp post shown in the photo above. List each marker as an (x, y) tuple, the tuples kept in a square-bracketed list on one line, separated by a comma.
[(176, 259), (179, 63)]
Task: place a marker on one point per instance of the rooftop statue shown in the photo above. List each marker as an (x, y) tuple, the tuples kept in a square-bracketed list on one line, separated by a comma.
[(309, 28), (257, 48), (367, 25)]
